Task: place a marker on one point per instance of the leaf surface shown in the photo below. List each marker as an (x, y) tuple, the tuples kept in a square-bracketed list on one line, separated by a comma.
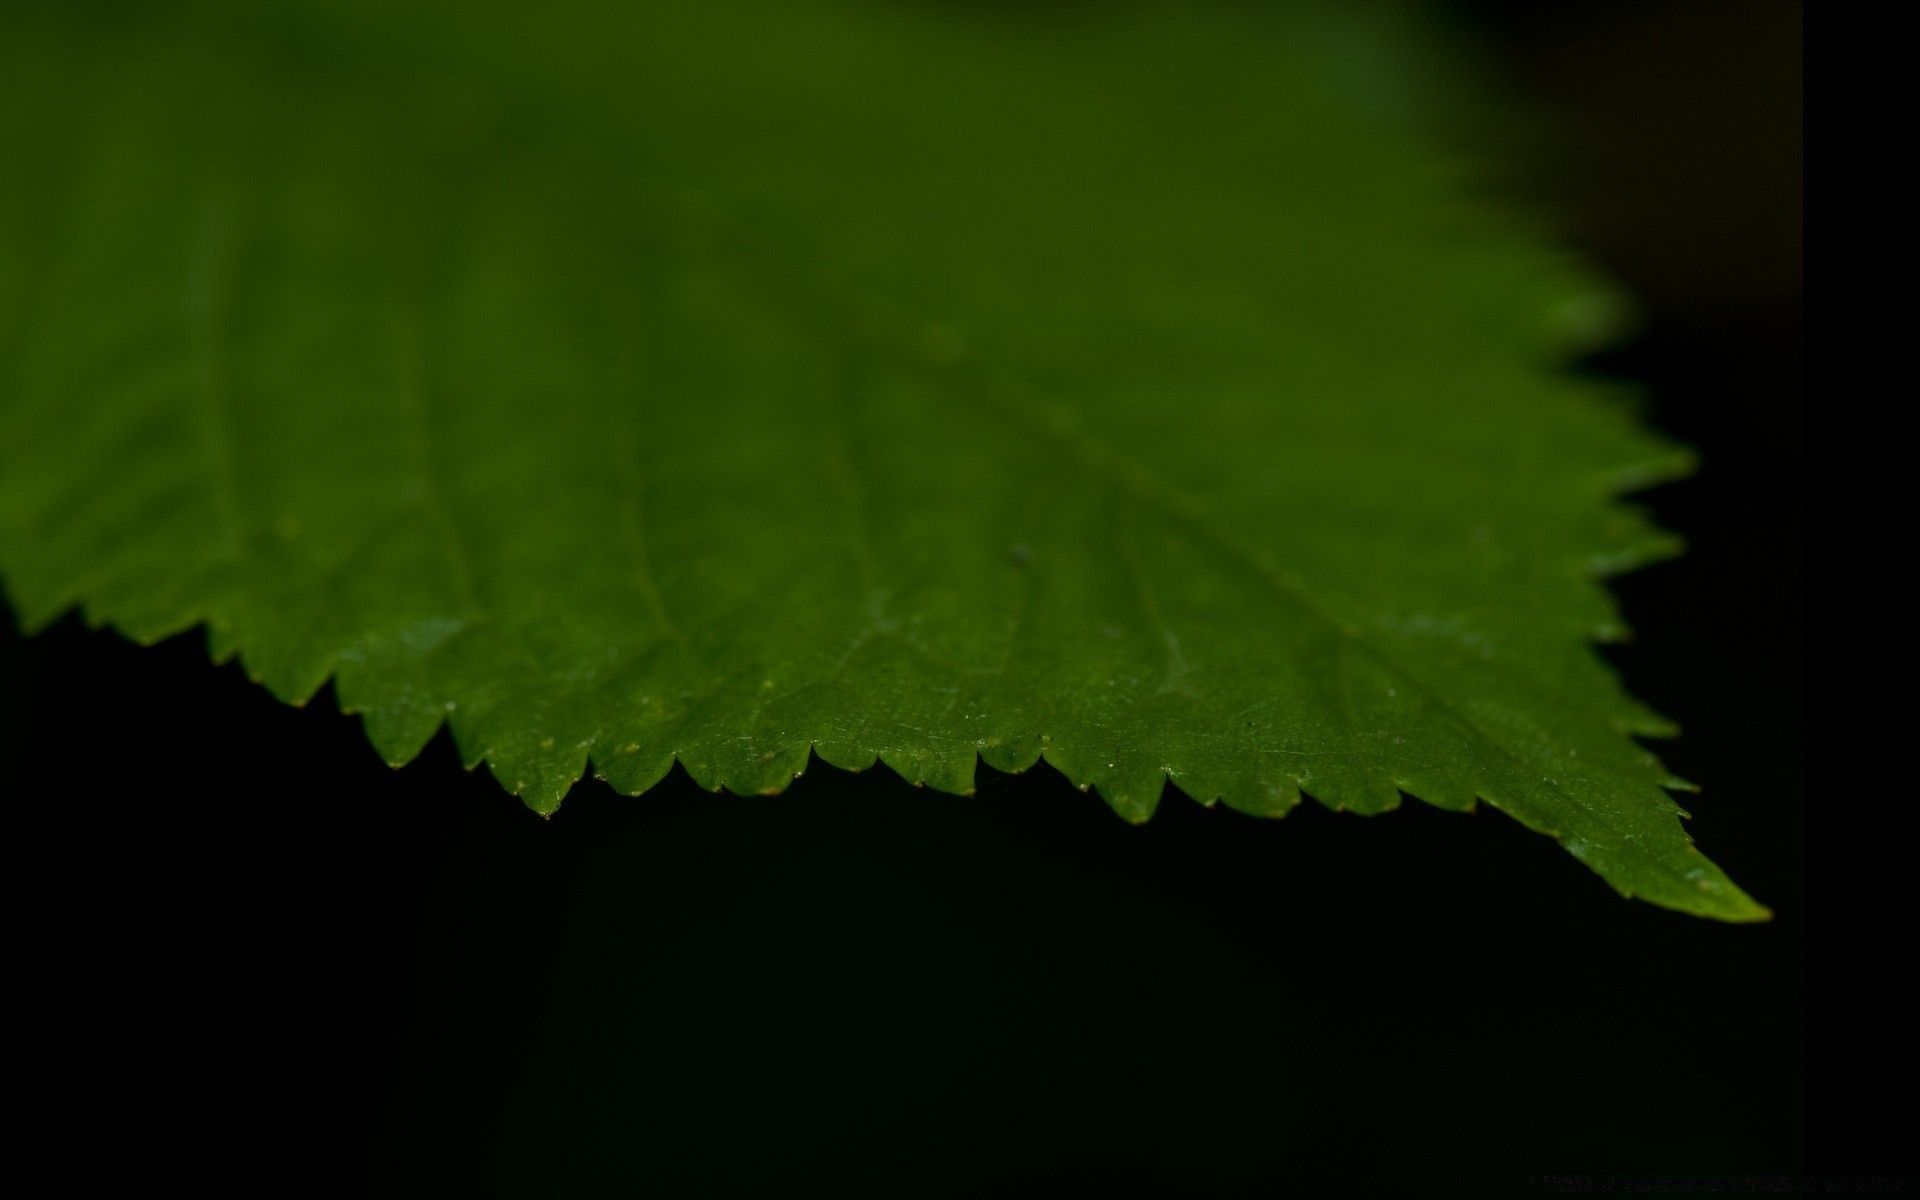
[(1130, 386)]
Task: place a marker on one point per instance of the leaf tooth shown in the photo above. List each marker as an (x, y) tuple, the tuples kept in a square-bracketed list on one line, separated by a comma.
[(845, 755), (1445, 794), (632, 769), (1134, 793), (1257, 799)]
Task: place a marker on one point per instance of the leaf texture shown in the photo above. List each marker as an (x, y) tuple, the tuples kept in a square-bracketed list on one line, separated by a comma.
[(1131, 386)]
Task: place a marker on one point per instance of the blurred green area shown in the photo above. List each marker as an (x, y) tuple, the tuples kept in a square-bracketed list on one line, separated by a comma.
[(1665, 140)]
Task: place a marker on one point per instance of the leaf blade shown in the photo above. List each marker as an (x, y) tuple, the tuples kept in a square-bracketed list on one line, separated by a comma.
[(800, 429)]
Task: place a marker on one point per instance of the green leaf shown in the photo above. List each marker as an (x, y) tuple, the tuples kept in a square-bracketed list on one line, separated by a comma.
[(1130, 386)]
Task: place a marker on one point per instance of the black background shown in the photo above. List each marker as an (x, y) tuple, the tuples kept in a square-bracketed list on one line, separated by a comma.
[(245, 954)]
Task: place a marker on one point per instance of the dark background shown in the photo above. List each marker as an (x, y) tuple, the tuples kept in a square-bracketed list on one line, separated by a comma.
[(245, 954)]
